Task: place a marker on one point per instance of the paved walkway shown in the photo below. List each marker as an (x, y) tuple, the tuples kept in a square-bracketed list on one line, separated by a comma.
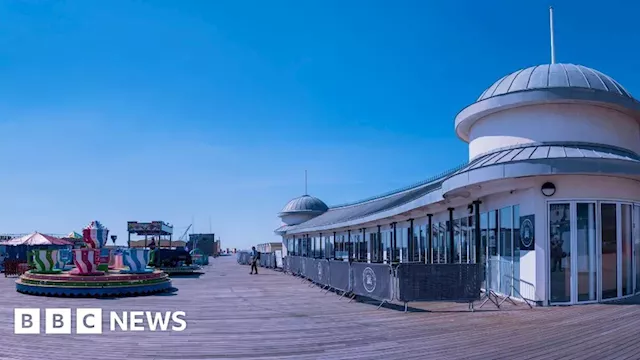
[(232, 315)]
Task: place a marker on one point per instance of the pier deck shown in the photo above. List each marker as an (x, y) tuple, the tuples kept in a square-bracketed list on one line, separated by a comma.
[(232, 315)]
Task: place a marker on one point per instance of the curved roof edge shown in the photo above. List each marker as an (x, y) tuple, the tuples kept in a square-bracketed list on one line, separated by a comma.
[(472, 113), (532, 159), (414, 186)]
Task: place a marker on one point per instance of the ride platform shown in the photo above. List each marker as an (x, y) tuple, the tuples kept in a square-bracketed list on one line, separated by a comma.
[(110, 284)]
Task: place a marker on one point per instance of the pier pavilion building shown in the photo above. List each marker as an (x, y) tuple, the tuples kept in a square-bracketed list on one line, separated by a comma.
[(549, 200)]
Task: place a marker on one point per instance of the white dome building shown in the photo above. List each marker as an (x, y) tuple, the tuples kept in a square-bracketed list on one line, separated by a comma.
[(551, 194)]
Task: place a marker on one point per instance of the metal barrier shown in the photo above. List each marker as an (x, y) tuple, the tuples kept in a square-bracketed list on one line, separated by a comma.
[(438, 282), (503, 281), (373, 281), (340, 276)]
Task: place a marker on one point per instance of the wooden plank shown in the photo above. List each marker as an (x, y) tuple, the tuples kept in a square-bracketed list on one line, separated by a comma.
[(234, 315)]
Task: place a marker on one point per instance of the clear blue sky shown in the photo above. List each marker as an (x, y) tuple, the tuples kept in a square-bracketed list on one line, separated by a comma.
[(168, 110)]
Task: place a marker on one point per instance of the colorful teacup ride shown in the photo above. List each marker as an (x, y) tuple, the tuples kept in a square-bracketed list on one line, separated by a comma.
[(86, 280), (86, 262), (44, 261), (136, 261), (115, 261)]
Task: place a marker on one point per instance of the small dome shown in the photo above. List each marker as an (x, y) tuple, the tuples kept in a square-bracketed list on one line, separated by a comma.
[(554, 76), (305, 204)]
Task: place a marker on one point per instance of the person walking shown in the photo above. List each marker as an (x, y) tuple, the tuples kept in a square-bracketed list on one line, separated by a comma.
[(255, 256)]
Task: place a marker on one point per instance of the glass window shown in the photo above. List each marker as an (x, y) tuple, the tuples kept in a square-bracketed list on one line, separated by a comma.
[(627, 249), (464, 241), (586, 251), (471, 238), (434, 243), (609, 251), (493, 276), (505, 249), (404, 243), (484, 236), (636, 236), (516, 250), (560, 252)]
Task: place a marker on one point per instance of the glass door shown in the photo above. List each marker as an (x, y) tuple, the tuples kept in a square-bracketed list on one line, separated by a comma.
[(559, 217), (586, 255), (609, 250), (636, 241)]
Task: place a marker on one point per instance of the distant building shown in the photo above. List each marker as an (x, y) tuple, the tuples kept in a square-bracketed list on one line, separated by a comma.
[(206, 243), (269, 247)]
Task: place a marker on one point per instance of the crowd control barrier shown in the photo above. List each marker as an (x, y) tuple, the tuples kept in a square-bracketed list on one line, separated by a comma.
[(243, 257), (373, 281), (286, 265), (340, 275), (439, 282)]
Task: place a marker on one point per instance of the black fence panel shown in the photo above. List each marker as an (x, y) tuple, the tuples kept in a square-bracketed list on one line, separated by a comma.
[(243, 258), (310, 270), (262, 260), (323, 272), (340, 275), (296, 264), (286, 264), (372, 280), (439, 282)]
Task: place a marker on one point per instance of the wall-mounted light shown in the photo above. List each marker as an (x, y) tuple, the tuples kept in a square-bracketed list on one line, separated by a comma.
[(470, 208), (548, 189)]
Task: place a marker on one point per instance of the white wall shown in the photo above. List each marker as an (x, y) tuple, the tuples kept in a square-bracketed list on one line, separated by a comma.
[(295, 219), (554, 122)]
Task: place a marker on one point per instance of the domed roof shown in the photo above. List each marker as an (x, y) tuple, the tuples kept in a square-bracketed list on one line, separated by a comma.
[(306, 204), (543, 84), (554, 76)]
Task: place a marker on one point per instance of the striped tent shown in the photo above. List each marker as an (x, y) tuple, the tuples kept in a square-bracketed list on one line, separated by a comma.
[(35, 239)]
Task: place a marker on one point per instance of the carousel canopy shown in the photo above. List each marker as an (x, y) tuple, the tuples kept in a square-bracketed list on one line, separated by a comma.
[(74, 235), (35, 238)]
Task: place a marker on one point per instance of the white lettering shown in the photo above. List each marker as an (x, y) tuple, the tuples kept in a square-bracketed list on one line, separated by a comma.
[(121, 321), (136, 320), (158, 319), (176, 317)]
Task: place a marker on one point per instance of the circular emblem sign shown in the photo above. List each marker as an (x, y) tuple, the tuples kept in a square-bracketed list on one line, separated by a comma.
[(526, 233), (369, 279)]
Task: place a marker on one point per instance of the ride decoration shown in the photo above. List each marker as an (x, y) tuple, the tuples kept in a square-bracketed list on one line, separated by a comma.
[(87, 279), (95, 235)]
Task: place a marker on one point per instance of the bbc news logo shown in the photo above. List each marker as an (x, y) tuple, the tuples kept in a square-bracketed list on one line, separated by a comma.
[(89, 321)]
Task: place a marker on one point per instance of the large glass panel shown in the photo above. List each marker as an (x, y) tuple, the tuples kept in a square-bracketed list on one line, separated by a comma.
[(609, 236), (484, 233), (506, 250), (405, 244), (457, 241), (493, 278), (434, 243), (636, 237), (442, 245), (464, 241), (366, 248), (560, 254), (516, 250), (416, 244), (422, 239), (386, 246), (627, 248), (471, 238), (586, 256)]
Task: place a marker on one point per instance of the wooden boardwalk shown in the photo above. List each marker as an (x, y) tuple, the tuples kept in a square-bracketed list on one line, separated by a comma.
[(232, 315)]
